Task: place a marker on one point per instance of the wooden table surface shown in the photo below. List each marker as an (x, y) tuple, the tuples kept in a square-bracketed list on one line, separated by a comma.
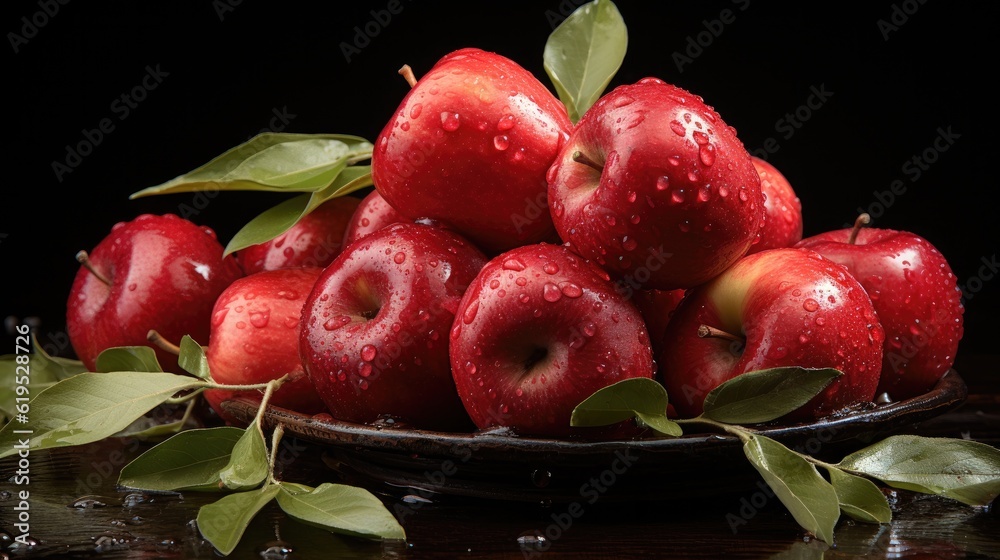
[(77, 512)]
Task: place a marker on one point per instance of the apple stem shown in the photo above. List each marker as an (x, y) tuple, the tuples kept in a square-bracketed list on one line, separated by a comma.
[(579, 157), (84, 259), (863, 220), (164, 344), (407, 73), (705, 331)]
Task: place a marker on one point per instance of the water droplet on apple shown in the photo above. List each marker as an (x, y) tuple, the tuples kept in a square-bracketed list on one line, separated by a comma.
[(743, 195), (513, 264), (521, 281), (684, 226), (707, 154), (470, 312), (723, 191), (803, 339), (363, 384), (260, 319), (629, 244), (678, 128), (631, 196), (450, 121), (550, 268), (399, 257), (506, 122), (471, 369), (364, 369), (590, 329), (677, 196), (241, 325), (415, 110), (368, 352), (331, 324), (501, 142), (820, 321), (662, 184), (611, 220), (810, 305), (524, 298), (132, 287), (570, 290), (551, 292)]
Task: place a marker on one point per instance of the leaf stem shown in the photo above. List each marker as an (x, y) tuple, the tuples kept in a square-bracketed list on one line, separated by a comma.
[(279, 431), (269, 390), (744, 434)]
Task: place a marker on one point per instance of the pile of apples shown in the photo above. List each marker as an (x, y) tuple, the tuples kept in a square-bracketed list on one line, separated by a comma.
[(510, 263)]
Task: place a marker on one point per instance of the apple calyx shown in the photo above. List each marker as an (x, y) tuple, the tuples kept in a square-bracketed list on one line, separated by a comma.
[(84, 259), (407, 73), (162, 343), (580, 157), (863, 220)]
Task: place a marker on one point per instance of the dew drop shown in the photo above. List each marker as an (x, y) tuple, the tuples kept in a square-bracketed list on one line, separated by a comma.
[(570, 290), (550, 268), (132, 287), (629, 244), (551, 292), (368, 352), (663, 183), (405, 126), (810, 305), (723, 191), (678, 128), (470, 312), (501, 142), (677, 196), (700, 137), (450, 121), (260, 319), (513, 264), (399, 257), (707, 154), (415, 110)]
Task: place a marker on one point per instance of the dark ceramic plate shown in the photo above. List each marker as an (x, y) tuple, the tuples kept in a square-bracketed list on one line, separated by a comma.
[(501, 466)]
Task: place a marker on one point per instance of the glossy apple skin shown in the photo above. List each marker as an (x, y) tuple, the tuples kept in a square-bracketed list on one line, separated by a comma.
[(315, 240), (255, 338), (372, 214), (782, 208), (374, 336), (916, 296), (166, 273), (542, 302), (677, 199), (469, 146), (795, 308)]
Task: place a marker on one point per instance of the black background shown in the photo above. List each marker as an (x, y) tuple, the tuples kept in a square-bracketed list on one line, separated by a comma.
[(230, 68)]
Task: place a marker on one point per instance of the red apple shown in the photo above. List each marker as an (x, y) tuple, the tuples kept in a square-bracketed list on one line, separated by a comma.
[(538, 331), (655, 187), (160, 273), (255, 337), (780, 307), (315, 240), (916, 296), (373, 214), (782, 207), (657, 307), (374, 336), (469, 147)]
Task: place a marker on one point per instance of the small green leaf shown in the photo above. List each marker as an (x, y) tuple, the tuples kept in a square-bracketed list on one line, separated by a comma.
[(192, 359), (91, 406), (273, 162), (277, 220), (967, 471), (248, 465), (767, 394), (223, 522), (190, 460), (810, 499), (661, 424), (584, 53), (341, 509), (128, 358), (621, 401), (860, 498)]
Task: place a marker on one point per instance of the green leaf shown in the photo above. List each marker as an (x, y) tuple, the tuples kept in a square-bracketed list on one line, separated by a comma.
[(584, 53), (128, 358), (190, 460), (273, 162), (341, 509), (859, 497), (277, 220), (248, 466), (621, 401), (192, 359), (43, 372), (223, 522), (91, 406), (764, 395), (967, 471), (810, 499), (661, 424)]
